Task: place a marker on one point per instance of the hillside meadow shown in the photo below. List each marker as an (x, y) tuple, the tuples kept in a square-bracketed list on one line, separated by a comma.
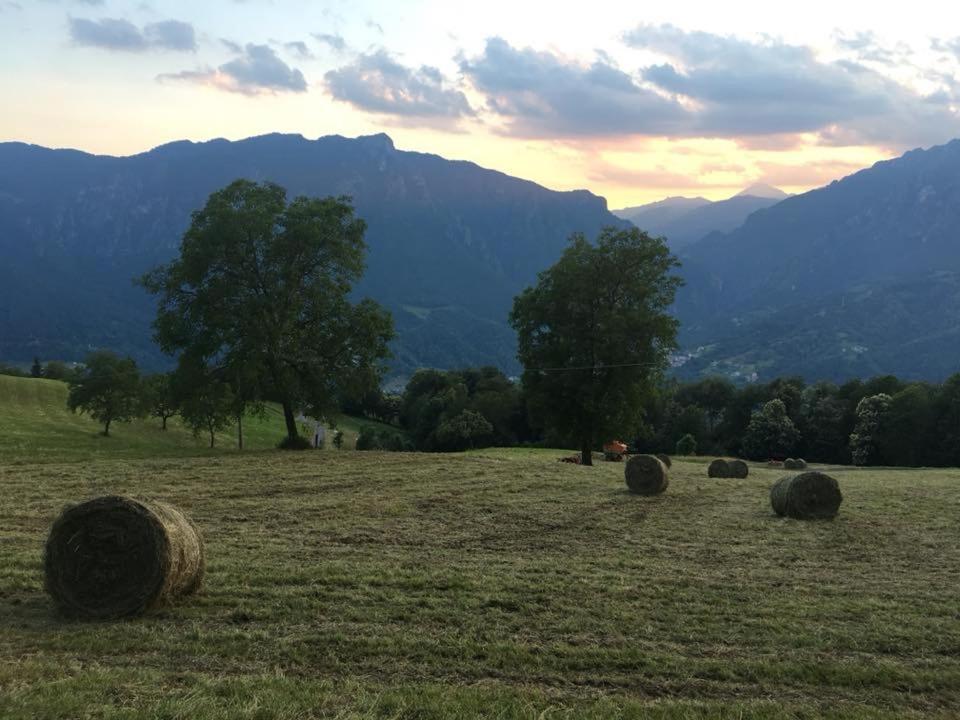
[(492, 584), (36, 426)]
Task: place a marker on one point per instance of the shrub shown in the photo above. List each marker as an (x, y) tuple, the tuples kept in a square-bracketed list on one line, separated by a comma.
[(687, 445), (368, 439), (297, 443)]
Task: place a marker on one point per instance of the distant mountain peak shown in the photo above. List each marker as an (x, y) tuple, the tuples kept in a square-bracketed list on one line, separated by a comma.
[(763, 190)]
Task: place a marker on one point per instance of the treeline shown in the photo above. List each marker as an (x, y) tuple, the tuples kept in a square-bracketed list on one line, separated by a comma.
[(880, 421), (111, 389), (53, 370)]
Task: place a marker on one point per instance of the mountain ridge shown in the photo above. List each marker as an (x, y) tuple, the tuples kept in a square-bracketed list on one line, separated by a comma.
[(449, 236)]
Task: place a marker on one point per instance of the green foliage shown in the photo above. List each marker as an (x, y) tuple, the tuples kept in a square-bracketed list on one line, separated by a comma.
[(295, 443), (338, 439), (57, 370), (206, 402), (469, 429), (594, 333), (36, 370), (371, 438), (158, 397), (435, 399), (11, 370), (107, 388), (864, 440), (687, 445), (262, 287), (771, 432)]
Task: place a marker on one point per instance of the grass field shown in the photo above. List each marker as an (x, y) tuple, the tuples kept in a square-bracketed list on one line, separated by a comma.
[(498, 584), (36, 426)]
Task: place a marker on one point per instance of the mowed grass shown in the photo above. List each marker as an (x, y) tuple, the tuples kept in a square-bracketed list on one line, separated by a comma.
[(36, 426), (497, 584)]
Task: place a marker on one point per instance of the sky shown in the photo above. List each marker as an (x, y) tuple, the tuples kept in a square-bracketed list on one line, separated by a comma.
[(635, 101)]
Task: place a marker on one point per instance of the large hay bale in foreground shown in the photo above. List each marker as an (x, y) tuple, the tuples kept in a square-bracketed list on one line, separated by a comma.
[(646, 475), (118, 556), (807, 496), (719, 468), (738, 469), (665, 459)]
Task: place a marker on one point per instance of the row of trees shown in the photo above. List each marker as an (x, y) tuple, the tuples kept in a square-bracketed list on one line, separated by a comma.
[(110, 389), (53, 370), (880, 421)]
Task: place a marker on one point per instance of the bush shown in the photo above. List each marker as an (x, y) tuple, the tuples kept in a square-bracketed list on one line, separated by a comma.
[(368, 439), (297, 443), (687, 445)]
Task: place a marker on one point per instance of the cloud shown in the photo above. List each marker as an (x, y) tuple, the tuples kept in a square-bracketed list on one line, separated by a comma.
[(108, 33), (300, 49), (540, 95), (234, 47), (866, 47), (121, 35), (737, 87), (807, 174), (333, 41), (376, 83), (759, 93), (171, 35), (258, 71), (951, 46)]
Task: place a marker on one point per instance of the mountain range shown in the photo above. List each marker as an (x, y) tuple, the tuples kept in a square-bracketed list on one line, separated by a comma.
[(683, 221), (450, 243), (857, 278)]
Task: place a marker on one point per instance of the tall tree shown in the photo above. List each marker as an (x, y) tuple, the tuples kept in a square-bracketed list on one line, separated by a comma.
[(36, 370), (107, 388), (871, 416), (594, 333), (263, 284), (771, 433)]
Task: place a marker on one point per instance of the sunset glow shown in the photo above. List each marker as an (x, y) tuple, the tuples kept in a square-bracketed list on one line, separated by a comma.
[(633, 104)]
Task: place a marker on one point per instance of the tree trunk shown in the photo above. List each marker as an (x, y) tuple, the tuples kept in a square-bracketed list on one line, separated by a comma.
[(290, 420), (240, 432), (586, 452), (106, 427), (164, 426), (211, 436)]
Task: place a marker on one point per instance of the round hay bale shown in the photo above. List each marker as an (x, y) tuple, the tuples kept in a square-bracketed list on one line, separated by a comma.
[(807, 496), (118, 556), (795, 464), (665, 459), (738, 469), (719, 468), (646, 475)]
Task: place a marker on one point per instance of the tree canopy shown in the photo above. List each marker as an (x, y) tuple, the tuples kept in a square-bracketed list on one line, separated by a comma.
[(107, 388), (261, 289), (594, 333)]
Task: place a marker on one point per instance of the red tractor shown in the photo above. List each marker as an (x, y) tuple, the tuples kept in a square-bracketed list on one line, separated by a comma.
[(614, 450)]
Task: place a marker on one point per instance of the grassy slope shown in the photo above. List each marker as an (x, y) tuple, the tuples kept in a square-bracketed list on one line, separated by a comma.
[(497, 584), (36, 426)]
